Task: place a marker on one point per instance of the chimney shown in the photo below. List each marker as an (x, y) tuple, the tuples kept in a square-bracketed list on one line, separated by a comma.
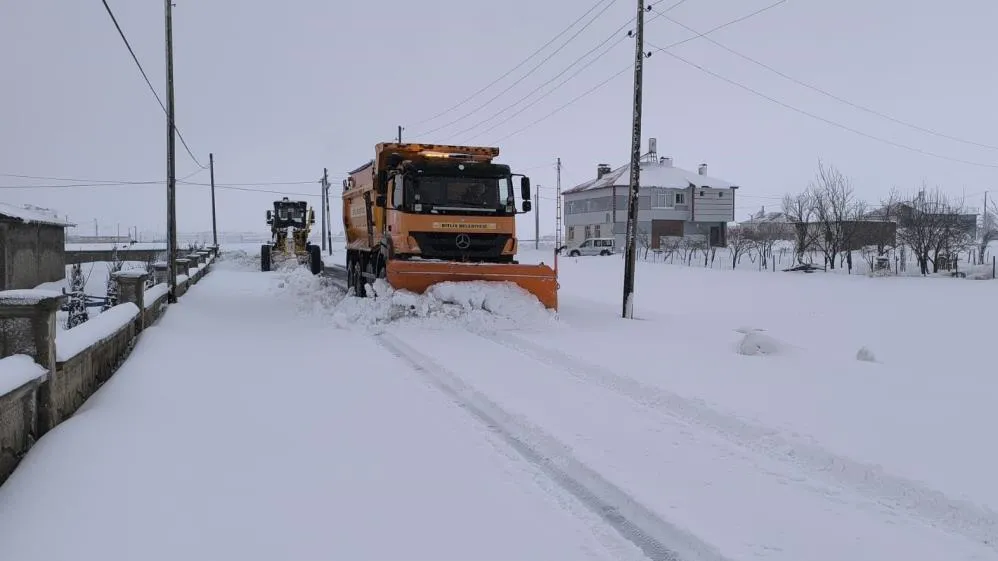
[(652, 148), (666, 161), (703, 169), (601, 170)]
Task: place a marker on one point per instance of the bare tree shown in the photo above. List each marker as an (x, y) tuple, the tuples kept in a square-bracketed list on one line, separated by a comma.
[(799, 212), (762, 238), (836, 211), (989, 231), (689, 247), (644, 240), (930, 225), (739, 243), (668, 245)]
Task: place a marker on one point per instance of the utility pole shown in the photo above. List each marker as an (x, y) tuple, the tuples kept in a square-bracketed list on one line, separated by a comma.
[(325, 207), (400, 134), (214, 225), (171, 162), (557, 218), (537, 217), (632, 196), (329, 217), (96, 229)]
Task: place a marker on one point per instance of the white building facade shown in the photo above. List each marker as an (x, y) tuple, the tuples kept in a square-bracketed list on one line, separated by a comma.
[(672, 202)]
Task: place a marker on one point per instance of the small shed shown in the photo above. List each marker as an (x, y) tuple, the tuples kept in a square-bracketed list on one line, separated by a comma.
[(32, 246)]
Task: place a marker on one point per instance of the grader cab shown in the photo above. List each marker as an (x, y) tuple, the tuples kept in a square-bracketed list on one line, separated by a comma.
[(290, 225)]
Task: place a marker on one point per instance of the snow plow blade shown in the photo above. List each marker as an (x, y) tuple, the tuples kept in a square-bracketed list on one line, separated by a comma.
[(417, 276)]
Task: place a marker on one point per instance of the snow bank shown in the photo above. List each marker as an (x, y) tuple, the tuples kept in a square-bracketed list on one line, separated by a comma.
[(72, 342), (758, 343), (17, 370), (155, 293), (478, 305), (26, 296)]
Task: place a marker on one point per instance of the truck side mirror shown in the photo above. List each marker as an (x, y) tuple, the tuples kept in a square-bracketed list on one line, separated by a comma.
[(381, 200), (525, 188), (311, 216), (526, 205), (382, 184), (270, 217)]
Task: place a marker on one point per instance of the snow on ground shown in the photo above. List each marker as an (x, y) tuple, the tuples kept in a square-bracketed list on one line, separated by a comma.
[(741, 415), (282, 438), (846, 402)]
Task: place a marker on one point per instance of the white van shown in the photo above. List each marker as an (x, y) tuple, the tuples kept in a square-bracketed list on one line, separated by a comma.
[(593, 246)]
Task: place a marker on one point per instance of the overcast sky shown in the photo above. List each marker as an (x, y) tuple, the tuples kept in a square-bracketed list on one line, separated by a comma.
[(279, 90)]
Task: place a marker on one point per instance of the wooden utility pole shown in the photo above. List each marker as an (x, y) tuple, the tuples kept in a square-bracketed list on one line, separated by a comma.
[(632, 196), (537, 217), (325, 208), (171, 162), (214, 224)]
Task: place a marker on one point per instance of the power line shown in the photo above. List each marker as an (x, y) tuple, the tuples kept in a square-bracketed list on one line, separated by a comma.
[(677, 43), (521, 78), (149, 83), (833, 96), (511, 70), (251, 184), (820, 118), (575, 99), (67, 186), (576, 73)]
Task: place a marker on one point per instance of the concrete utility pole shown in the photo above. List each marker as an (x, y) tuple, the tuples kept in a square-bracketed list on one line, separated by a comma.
[(214, 225), (537, 217), (171, 162), (557, 217), (329, 216), (325, 193), (632, 196)]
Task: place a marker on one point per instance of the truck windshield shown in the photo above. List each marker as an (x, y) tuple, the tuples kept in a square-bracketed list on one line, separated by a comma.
[(460, 192)]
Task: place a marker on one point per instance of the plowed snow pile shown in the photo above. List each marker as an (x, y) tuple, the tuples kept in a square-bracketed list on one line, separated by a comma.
[(477, 305)]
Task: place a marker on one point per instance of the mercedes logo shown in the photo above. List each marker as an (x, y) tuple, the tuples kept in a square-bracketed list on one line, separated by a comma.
[(462, 241)]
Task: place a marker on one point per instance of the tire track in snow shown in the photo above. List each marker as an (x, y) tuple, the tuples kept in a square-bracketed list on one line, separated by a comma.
[(658, 539), (920, 501)]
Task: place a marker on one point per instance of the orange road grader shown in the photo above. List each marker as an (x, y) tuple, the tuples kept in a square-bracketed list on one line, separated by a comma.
[(420, 214)]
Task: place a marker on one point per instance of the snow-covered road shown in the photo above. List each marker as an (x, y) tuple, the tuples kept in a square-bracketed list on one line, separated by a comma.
[(268, 417), (239, 429)]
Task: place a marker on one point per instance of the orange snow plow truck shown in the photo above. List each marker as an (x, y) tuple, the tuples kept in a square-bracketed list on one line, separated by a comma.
[(420, 214)]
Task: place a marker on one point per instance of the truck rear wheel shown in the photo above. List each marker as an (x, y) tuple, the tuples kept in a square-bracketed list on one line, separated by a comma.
[(356, 273), (265, 257), (315, 259)]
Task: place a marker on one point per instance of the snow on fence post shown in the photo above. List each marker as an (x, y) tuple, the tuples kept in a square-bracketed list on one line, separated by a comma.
[(132, 288), (161, 272), (183, 267), (27, 326)]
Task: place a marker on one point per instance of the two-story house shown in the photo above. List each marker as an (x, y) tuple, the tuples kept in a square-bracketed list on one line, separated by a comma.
[(672, 202)]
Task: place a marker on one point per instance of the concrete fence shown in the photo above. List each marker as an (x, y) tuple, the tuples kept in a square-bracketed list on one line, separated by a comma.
[(46, 375)]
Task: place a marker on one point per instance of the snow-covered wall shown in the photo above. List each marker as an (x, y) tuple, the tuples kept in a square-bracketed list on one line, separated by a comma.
[(85, 357)]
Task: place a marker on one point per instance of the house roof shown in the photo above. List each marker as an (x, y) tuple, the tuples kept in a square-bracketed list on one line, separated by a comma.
[(653, 174), (30, 214)]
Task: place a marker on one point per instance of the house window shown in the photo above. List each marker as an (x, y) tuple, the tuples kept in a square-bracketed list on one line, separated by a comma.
[(571, 232), (662, 200), (680, 198), (720, 194), (588, 232), (596, 230)]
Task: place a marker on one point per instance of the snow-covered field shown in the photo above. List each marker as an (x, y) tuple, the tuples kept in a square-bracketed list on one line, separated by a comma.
[(741, 415)]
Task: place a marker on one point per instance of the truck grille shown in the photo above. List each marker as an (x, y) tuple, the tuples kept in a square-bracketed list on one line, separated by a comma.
[(439, 245)]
